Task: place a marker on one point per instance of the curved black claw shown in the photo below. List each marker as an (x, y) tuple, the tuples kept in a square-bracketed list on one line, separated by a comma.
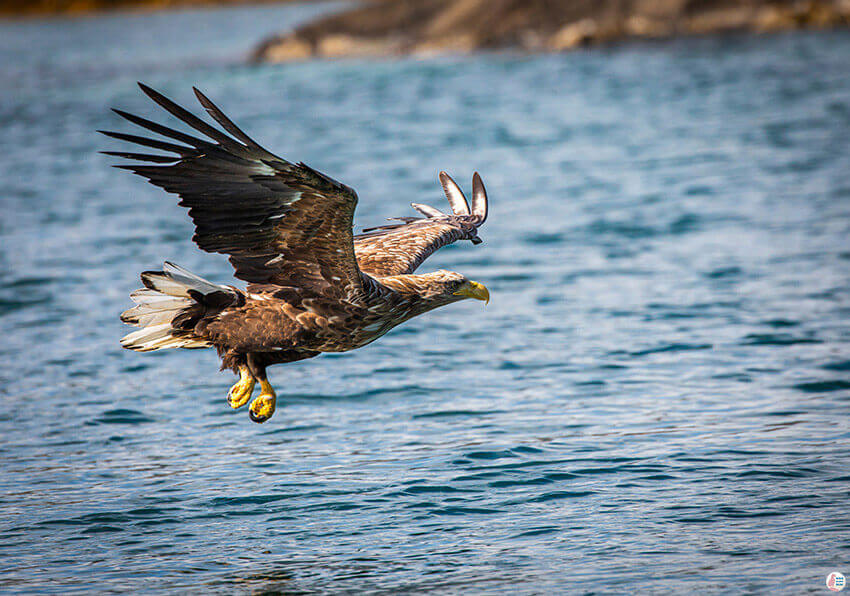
[(256, 418), (235, 404), (263, 407), (240, 393)]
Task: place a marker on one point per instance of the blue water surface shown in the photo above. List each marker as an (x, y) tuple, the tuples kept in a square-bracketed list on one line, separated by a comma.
[(655, 401)]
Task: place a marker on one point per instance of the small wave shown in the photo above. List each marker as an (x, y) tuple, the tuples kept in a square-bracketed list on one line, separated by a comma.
[(102, 529), (841, 365), (559, 495), (674, 347), (459, 510), (457, 413), (249, 500), (822, 386), (491, 455), (419, 489), (542, 531), (540, 480), (725, 273), (780, 323), (543, 238), (8, 305), (120, 416), (776, 339), (294, 429)]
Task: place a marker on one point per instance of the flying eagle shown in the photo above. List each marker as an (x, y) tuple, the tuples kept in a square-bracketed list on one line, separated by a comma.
[(313, 286)]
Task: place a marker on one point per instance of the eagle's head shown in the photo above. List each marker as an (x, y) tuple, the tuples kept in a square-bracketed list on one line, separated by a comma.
[(456, 285), (438, 288)]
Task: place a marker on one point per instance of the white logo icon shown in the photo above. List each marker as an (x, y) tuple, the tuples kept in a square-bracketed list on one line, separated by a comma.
[(835, 581)]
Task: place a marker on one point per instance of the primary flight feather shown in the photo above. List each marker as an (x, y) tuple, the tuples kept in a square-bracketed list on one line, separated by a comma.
[(313, 286)]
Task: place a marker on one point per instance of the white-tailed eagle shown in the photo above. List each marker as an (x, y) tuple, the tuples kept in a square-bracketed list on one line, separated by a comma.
[(313, 285)]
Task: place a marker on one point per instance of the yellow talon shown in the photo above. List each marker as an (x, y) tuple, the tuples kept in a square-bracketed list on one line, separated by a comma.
[(263, 407), (241, 392)]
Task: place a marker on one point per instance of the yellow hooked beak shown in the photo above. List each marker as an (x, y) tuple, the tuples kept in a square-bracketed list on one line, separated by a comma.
[(473, 289)]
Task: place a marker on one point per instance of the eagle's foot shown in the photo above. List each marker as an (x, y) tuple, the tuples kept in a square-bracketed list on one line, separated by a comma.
[(263, 407), (241, 392)]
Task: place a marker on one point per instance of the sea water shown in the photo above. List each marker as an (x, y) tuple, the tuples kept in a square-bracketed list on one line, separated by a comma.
[(655, 400)]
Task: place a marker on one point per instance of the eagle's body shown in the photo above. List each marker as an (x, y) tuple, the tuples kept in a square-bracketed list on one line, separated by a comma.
[(313, 286)]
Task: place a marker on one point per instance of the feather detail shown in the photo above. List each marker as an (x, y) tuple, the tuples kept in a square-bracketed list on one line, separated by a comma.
[(427, 210), (479, 198), (169, 308), (280, 222), (397, 249), (454, 194)]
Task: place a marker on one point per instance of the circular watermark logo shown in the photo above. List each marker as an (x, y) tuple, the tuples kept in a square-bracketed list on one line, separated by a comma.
[(835, 581)]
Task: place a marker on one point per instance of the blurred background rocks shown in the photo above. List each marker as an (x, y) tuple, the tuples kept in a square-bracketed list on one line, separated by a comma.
[(424, 27)]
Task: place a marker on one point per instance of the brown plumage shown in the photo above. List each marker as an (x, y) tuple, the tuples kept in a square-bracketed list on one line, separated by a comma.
[(313, 286)]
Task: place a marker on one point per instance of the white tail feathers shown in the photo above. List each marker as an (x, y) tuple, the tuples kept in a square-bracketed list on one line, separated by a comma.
[(153, 308), (159, 336), (176, 281), (168, 294)]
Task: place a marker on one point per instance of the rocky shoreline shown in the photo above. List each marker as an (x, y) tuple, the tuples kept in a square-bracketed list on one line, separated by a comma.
[(427, 27)]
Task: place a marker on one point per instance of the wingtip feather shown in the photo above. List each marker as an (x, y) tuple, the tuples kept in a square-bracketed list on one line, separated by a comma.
[(454, 194), (427, 210), (479, 197)]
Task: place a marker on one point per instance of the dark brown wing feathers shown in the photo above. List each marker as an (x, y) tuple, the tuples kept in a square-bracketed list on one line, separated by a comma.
[(281, 223)]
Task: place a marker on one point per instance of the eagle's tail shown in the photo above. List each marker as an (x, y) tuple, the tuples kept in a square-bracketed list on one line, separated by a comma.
[(167, 309)]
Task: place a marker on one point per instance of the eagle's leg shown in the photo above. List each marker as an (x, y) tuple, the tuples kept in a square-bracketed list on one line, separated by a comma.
[(262, 408), (241, 392)]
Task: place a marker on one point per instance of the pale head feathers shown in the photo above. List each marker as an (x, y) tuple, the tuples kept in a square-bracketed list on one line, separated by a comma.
[(428, 286)]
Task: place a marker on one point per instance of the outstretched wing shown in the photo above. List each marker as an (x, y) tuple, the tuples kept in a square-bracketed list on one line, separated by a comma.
[(281, 223), (398, 249)]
